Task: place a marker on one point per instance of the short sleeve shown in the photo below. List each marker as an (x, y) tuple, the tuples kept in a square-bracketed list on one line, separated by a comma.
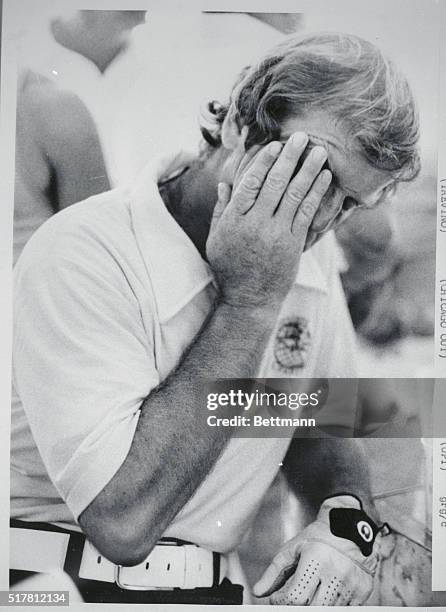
[(83, 361)]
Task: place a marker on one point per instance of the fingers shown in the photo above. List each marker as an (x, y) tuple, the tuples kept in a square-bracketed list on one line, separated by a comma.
[(267, 179), (326, 594), (344, 598), (335, 592), (247, 191), (281, 173), (329, 210), (224, 196), (311, 239), (243, 163), (300, 186), (277, 573), (304, 212), (328, 215), (361, 596), (300, 588)]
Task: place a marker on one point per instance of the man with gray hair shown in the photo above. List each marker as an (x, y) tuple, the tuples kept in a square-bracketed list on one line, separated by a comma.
[(127, 303)]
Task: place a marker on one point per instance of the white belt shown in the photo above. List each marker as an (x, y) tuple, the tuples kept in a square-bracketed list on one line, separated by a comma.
[(168, 566)]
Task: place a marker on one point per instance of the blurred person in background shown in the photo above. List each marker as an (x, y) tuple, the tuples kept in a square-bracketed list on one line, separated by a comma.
[(380, 275), (99, 36), (368, 243), (59, 159), (108, 57), (61, 142)]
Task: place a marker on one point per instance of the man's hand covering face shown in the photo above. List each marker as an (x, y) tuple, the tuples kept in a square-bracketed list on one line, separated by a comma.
[(320, 568)]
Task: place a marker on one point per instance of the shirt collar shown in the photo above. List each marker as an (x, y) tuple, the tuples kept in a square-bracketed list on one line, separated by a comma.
[(175, 267), (310, 274)]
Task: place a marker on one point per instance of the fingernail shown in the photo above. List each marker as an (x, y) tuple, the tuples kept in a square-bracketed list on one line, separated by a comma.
[(326, 177), (299, 139), (274, 148), (319, 154)]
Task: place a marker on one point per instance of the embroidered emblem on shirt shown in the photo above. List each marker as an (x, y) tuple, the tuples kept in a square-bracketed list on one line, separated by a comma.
[(291, 345)]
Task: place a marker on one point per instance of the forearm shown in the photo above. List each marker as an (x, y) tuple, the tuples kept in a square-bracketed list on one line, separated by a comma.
[(173, 450), (320, 468)]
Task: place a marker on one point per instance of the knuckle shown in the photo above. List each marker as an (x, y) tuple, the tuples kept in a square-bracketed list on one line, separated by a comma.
[(296, 194), (275, 234), (251, 182), (276, 181), (308, 208)]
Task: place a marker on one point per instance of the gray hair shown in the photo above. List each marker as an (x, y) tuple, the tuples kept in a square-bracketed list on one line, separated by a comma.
[(343, 74)]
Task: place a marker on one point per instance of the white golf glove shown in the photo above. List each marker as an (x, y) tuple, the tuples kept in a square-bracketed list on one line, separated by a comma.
[(331, 563)]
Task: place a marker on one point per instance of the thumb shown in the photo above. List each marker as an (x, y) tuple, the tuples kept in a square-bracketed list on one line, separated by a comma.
[(224, 195), (277, 573)]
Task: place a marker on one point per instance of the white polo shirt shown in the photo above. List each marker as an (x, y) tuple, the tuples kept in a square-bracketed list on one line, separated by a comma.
[(108, 294)]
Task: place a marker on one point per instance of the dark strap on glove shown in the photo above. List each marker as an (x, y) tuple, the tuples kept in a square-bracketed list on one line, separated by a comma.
[(356, 526)]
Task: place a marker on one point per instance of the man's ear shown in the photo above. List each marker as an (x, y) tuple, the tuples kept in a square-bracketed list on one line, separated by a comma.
[(232, 137)]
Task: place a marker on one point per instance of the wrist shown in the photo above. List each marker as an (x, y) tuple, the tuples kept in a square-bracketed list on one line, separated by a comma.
[(264, 314), (350, 500), (343, 500)]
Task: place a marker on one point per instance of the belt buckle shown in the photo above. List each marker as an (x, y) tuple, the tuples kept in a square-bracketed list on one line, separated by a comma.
[(134, 587), (119, 569)]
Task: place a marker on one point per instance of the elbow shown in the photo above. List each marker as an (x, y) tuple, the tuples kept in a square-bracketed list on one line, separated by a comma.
[(121, 541), (125, 552)]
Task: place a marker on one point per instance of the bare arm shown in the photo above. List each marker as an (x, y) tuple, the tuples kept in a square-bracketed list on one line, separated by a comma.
[(68, 138), (320, 468), (172, 450)]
